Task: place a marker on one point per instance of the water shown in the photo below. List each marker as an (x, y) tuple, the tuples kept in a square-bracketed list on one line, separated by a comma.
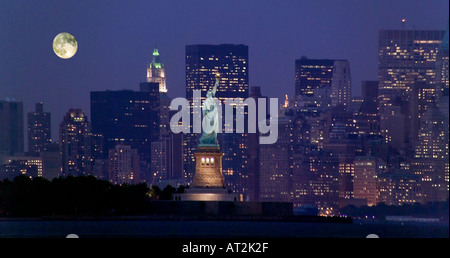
[(151, 228)]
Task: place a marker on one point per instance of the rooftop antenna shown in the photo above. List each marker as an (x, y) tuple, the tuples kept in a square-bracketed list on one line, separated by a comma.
[(403, 23)]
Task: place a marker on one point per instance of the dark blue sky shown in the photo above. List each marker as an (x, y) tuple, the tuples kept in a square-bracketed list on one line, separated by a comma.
[(116, 40)]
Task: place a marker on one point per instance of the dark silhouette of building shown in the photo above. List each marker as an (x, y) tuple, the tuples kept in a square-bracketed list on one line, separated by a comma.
[(323, 82), (51, 161), (39, 130), (253, 152), (405, 57), (275, 165), (128, 117), (11, 127)]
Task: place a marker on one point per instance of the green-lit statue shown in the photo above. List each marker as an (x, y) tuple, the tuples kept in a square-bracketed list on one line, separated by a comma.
[(210, 118)]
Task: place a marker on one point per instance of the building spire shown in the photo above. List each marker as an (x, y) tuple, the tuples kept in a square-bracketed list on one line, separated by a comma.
[(155, 71)]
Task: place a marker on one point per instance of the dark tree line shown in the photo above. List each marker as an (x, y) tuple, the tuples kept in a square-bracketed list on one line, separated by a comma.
[(75, 196)]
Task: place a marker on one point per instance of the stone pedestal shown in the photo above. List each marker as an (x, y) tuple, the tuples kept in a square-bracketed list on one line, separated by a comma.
[(208, 168), (209, 183)]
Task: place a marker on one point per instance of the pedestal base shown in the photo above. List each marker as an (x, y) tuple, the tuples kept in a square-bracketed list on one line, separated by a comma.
[(207, 194)]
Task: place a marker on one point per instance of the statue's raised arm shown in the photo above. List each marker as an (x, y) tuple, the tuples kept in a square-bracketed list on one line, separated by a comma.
[(216, 84)]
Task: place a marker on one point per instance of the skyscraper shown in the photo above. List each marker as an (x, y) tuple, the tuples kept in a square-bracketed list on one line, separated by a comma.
[(156, 72), (203, 62), (399, 189), (405, 56), (367, 118), (123, 165), (316, 182), (11, 127), (51, 161), (128, 117), (365, 180), (75, 143), (323, 81), (431, 155), (39, 130)]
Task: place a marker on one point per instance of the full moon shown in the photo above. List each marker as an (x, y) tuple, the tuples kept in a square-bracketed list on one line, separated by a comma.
[(65, 45)]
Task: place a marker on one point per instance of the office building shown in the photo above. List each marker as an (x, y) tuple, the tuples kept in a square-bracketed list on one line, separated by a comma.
[(14, 166), (316, 182), (406, 56), (399, 189), (323, 82), (431, 155), (51, 161), (365, 180), (392, 124), (123, 165), (275, 167), (39, 130), (130, 118), (11, 127), (75, 144), (367, 119)]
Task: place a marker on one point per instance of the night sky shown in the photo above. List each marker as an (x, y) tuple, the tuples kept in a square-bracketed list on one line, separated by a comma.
[(116, 40)]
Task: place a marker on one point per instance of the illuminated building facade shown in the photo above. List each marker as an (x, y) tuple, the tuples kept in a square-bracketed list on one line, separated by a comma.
[(431, 155), (399, 189), (423, 96), (203, 62), (39, 130), (123, 165), (19, 165), (323, 82), (405, 57), (365, 180), (156, 72), (392, 125), (316, 182), (75, 143), (11, 127)]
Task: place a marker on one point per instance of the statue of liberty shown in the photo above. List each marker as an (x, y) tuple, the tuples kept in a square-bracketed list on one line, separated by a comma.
[(210, 119)]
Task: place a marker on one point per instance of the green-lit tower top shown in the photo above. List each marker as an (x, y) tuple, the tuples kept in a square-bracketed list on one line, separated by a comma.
[(156, 63), (155, 71)]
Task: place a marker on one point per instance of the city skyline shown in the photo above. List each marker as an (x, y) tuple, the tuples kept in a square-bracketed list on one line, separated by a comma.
[(274, 44), (340, 141)]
